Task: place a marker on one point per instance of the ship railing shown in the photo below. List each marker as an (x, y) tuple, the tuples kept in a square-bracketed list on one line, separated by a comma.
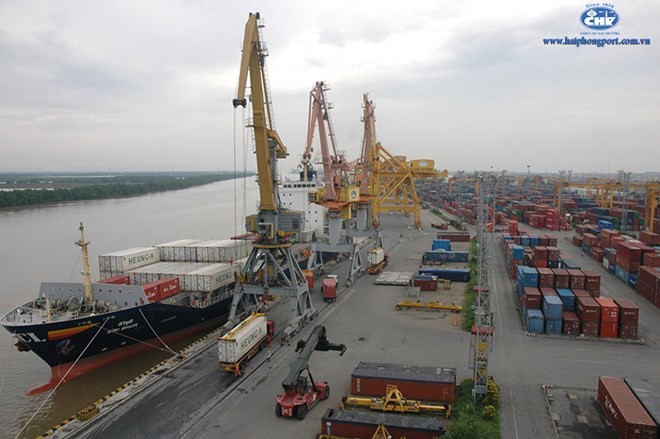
[(213, 300), (20, 315)]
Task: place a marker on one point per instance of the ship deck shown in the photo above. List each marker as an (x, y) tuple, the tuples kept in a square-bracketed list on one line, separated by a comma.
[(190, 397)]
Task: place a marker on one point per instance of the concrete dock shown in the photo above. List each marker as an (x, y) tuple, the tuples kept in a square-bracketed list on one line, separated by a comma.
[(192, 398)]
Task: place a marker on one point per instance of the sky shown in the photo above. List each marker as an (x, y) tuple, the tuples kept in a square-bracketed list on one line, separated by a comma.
[(147, 86)]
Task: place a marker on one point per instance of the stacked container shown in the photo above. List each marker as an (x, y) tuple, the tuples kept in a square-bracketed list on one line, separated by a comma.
[(534, 321), (562, 278), (589, 312), (609, 317), (628, 318), (570, 323), (552, 311), (648, 284), (567, 297)]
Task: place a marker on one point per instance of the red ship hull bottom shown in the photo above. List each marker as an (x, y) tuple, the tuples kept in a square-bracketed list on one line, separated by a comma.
[(65, 372)]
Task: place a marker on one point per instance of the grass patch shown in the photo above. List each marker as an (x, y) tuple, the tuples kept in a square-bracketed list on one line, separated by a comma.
[(471, 420), (455, 224), (470, 295)]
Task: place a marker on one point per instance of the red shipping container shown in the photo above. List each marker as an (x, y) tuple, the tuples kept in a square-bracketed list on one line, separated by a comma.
[(570, 323), (649, 238), (577, 240), (628, 330), (553, 252), (590, 328), (168, 287), (646, 290), (562, 279), (652, 260), (626, 264), (578, 279), (152, 292), (548, 292), (587, 308), (628, 312), (597, 253), (581, 293), (363, 424), (609, 310), (116, 280), (609, 329), (592, 280), (415, 382), (532, 298), (594, 293), (546, 277), (629, 250), (650, 276), (629, 418)]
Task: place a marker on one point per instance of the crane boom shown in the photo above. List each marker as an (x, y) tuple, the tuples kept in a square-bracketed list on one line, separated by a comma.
[(317, 341), (268, 145)]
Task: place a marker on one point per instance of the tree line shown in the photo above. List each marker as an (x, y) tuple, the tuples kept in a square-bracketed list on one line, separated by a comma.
[(125, 187)]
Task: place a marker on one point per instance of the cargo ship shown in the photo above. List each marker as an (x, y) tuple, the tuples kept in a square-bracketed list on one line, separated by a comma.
[(146, 304)]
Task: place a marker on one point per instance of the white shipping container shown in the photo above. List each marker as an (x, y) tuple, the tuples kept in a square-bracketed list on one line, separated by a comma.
[(223, 251), (193, 276), (240, 340), (375, 256), (182, 250), (130, 259)]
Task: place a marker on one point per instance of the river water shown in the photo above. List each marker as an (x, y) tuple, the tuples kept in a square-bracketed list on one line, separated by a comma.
[(37, 244)]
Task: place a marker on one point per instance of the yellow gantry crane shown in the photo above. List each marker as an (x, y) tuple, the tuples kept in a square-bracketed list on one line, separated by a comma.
[(390, 178), (604, 192)]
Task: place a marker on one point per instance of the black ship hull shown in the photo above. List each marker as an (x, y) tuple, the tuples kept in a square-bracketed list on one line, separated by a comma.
[(76, 346)]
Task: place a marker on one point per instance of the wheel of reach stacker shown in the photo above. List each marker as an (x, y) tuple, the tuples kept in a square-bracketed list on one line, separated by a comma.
[(326, 393), (301, 412), (278, 410)]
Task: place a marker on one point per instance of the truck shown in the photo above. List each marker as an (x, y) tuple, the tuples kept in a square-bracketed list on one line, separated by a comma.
[(329, 288), (301, 392), (243, 342), (377, 260)]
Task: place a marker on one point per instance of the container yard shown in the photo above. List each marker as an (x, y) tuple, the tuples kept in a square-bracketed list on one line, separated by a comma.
[(391, 345)]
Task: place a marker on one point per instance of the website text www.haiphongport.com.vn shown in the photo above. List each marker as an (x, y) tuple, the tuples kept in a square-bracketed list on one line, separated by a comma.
[(598, 42)]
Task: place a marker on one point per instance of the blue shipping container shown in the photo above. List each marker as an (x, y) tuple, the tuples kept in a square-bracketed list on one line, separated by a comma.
[(534, 321), (567, 297), (611, 268), (528, 276), (553, 326), (524, 241), (621, 274), (585, 249), (553, 307), (518, 252), (441, 244), (445, 256), (533, 240), (632, 280), (603, 224)]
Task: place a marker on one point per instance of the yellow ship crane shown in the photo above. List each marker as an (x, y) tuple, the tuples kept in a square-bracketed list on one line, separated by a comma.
[(270, 269)]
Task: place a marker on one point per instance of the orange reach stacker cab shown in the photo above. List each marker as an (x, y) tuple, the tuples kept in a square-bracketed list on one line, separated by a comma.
[(301, 392)]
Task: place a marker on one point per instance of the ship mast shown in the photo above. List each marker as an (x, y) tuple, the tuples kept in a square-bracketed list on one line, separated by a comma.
[(87, 277)]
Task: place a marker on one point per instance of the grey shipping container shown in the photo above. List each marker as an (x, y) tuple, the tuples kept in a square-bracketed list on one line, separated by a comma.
[(648, 394)]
